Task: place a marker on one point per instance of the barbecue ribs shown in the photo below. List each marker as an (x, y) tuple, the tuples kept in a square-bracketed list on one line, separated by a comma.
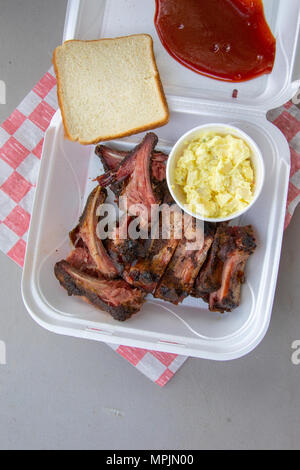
[(170, 267), (210, 276), (147, 272), (113, 296), (112, 159), (179, 277), (90, 273), (140, 194), (87, 232), (236, 245)]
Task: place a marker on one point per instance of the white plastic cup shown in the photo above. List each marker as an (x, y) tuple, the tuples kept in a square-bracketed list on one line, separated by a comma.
[(221, 129)]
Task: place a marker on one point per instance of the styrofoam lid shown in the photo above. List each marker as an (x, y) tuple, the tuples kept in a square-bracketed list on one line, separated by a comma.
[(90, 19)]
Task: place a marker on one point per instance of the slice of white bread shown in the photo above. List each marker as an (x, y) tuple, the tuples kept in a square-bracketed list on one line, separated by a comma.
[(109, 88)]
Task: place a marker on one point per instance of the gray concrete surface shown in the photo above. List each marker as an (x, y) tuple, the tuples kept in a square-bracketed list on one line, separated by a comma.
[(56, 392)]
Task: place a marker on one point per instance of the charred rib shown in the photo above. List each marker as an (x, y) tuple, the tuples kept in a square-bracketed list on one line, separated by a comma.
[(146, 273), (179, 277), (210, 276), (237, 244), (88, 233), (112, 159), (139, 195), (113, 296)]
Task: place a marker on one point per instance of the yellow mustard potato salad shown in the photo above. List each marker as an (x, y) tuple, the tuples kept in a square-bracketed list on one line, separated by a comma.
[(216, 175)]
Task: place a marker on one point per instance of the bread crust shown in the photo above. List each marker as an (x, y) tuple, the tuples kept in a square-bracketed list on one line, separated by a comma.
[(121, 134)]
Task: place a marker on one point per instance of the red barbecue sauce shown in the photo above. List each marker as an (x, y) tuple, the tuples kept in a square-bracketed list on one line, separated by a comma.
[(224, 39)]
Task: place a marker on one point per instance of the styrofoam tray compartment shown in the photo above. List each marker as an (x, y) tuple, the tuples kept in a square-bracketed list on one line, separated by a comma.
[(67, 170)]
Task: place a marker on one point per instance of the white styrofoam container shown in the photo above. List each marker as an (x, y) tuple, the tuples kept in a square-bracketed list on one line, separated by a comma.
[(67, 169)]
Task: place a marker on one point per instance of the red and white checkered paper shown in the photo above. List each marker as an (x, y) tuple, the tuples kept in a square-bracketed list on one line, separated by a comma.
[(21, 143)]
